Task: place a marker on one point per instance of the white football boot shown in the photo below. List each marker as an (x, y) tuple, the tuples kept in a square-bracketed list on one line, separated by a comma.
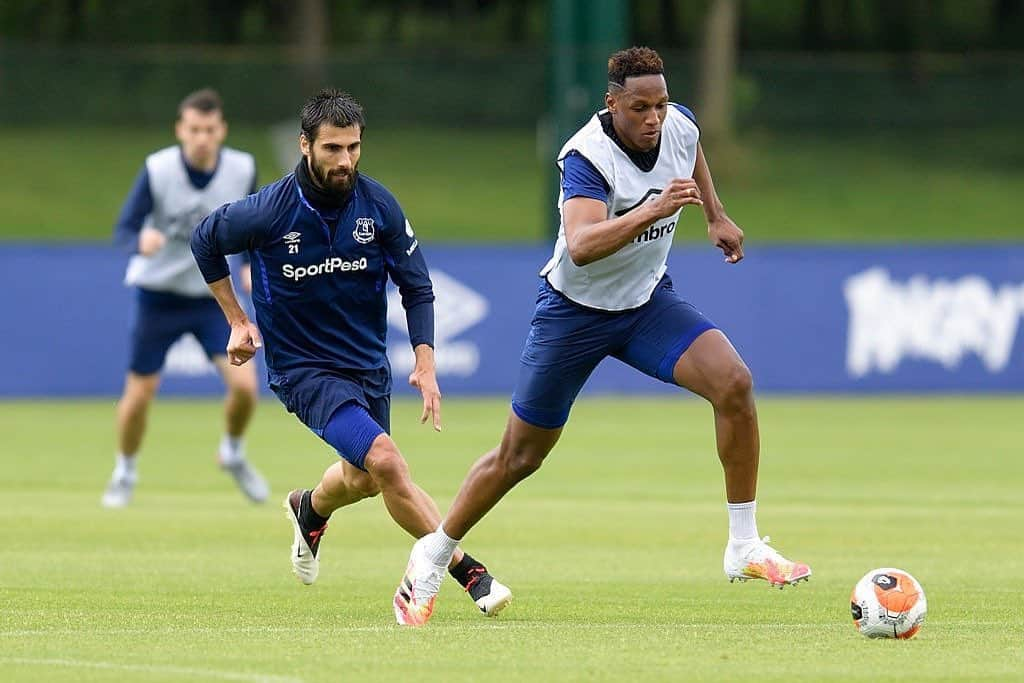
[(249, 480), (119, 490), (755, 559), (489, 594), (306, 543), (415, 595)]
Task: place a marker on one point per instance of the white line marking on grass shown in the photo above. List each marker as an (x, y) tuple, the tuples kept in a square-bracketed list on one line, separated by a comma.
[(451, 628), (491, 626), (154, 668)]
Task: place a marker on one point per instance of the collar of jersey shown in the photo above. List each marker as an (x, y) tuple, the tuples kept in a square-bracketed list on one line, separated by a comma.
[(199, 178), (308, 190)]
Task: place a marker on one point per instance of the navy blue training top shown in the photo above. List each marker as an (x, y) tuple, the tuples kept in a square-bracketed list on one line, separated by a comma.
[(319, 286)]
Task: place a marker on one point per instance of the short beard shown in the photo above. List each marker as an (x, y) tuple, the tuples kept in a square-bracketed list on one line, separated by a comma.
[(323, 179)]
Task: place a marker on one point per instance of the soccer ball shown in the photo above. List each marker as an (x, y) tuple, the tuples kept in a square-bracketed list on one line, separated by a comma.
[(888, 603)]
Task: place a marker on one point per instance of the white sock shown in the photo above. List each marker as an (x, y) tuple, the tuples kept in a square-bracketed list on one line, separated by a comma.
[(742, 521), (232, 449), (439, 547), (124, 466)]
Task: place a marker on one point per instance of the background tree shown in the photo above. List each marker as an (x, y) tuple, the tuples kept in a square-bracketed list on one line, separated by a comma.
[(717, 70)]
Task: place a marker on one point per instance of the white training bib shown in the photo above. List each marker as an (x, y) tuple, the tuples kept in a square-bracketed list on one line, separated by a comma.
[(627, 278), (178, 206)]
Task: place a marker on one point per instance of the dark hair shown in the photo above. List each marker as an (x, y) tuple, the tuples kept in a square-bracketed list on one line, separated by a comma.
[(330, 106), (636, 61), (206, 100)]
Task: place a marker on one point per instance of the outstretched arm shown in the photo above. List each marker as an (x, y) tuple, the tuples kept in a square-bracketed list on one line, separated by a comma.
[(722, 231), (408, 269), (424, 378)]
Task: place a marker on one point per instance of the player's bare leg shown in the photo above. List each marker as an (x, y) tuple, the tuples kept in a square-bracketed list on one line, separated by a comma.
[(713, 369), (132, 411), (242, 394), (390, 474), (343, 484), (521, 452), (417, 513), (239, 404), (386, 473)]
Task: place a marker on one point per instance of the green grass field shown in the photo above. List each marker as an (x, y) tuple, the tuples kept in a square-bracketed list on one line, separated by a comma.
[(489, 185), (613, 550)]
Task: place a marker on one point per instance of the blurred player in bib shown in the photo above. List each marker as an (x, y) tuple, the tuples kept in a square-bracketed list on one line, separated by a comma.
[(324, 241), (177, 186), (625, 178)]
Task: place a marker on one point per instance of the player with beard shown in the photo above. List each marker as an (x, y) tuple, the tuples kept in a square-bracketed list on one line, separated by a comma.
[(323, 242)]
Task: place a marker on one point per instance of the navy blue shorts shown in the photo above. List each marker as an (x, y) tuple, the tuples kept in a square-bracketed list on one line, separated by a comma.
[(161, 318), (314, 394), (352, 431), (567, 341)]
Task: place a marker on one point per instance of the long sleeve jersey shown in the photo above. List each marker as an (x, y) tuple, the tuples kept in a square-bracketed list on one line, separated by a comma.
[(319, 285)]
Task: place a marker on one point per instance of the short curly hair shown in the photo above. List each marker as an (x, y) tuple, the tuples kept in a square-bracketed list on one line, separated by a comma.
[(636, 61)]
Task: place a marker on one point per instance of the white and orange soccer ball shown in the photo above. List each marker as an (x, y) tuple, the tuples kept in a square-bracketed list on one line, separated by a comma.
[(888, 603)]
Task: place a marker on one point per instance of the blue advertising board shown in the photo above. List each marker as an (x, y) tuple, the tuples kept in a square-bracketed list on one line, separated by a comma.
[(806, 319)]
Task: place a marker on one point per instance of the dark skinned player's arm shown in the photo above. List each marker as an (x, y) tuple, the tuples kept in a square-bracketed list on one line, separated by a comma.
[(591, 235), (722, 231)]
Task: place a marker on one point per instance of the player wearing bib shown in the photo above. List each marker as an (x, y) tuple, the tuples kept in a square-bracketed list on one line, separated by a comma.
[(625, 177), (178, 186), (324, 241)]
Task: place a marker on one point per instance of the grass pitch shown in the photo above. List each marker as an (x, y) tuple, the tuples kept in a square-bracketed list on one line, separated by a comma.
[(613, 549)]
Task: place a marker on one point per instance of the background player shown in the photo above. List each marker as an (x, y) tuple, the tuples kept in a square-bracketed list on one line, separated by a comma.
[(626, 175), (177, 186), (323, 242)]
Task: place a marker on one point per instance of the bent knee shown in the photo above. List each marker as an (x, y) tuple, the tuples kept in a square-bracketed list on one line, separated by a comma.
[(520, 460), (245, 395), (735, 389), (244, 390), (384, 463), (139, 390), (362, 483)]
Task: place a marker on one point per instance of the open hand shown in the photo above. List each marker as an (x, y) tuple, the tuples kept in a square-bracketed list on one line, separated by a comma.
[(425, 380)]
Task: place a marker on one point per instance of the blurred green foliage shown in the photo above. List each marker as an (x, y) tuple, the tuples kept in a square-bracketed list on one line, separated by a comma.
[(857, 119), (943, 25), (495, 87), (483, 185)]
